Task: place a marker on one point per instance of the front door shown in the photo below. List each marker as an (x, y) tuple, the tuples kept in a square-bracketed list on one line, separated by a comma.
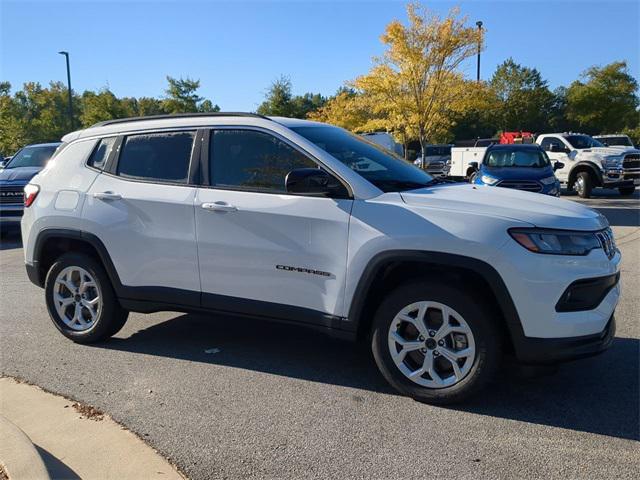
[(558, 151), (261, 250)]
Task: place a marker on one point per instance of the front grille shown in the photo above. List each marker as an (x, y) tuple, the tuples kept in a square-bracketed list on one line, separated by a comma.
[(607, 242), (435, 166), (13, 195), (631, 161), (526, 185)]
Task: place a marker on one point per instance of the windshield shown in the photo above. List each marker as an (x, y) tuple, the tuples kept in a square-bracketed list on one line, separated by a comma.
[(612, 141), (32, 157), (582, 141), (433, 151), (517, 158), (379, 166)]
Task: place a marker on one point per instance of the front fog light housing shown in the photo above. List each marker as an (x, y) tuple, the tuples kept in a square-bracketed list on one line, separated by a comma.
[(555, 242), (548, 180), (488, 180)]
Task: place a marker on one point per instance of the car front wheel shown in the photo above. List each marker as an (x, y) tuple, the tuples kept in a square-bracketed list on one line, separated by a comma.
[(81, 300), (435, 343)]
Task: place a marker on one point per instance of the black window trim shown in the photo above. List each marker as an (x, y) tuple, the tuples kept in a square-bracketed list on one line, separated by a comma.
[(204, 164), (111, 167), (98, 140)]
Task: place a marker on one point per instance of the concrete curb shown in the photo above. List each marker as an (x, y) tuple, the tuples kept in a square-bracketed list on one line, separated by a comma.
[(18, 455)]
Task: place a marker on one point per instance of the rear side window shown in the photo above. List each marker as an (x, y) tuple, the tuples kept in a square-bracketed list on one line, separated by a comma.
[(251, 160), (101, 153), (157, 156)]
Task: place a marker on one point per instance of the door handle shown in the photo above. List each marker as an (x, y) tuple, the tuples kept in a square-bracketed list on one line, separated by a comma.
[(219, 207), (107, 196)]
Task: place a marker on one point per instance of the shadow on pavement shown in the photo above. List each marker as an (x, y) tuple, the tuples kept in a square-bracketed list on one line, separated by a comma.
[(10, 239), (621, 217), (596, 395), (56, 468)]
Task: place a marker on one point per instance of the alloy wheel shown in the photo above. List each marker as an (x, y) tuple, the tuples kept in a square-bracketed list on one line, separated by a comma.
[(77, 298), (431, 344)]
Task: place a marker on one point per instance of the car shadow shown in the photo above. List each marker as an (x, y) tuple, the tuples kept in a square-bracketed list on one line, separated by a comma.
[(621, 217), (597, 395), (10, 239)]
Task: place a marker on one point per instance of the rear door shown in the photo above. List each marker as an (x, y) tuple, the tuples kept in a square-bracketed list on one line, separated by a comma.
[(141, 208), (264, 251)]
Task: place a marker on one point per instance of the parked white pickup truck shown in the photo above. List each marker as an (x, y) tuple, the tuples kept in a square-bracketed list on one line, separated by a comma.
[(589, 164)]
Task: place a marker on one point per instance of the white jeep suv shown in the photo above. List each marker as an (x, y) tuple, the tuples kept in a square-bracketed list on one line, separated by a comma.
[(305, 223)]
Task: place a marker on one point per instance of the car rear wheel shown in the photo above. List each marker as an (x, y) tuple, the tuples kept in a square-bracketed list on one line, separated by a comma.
[(81, 300), (435, 343)]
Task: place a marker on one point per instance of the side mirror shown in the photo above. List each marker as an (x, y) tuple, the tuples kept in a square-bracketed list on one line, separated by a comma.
[(314, 181), (474, 165), (558, 166)]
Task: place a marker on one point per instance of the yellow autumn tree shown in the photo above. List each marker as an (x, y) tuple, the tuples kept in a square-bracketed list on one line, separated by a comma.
[(416, 84)]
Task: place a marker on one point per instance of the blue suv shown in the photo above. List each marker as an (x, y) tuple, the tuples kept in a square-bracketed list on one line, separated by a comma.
[(523, 167)]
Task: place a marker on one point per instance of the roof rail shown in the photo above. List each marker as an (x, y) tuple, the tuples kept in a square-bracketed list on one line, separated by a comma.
[(178, 115)]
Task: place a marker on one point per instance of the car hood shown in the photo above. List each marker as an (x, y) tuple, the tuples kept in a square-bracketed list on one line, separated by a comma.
[(517, 173), (540, 210), (606, 151), (19, 174)]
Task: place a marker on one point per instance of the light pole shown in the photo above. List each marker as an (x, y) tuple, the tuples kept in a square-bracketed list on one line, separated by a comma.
[(479, 24), (66, 55)]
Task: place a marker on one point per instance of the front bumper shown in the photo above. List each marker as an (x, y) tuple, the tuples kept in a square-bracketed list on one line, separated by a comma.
[(11, 214), (557, 350), (617, 178)]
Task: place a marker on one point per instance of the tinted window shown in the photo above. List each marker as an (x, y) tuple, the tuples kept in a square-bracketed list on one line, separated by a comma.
[(252, 160), (32, 157), (377, 165), (156, 156), (101, 153)]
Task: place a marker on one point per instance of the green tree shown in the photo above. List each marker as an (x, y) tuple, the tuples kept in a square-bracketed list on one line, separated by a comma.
[(526, 102), (12, 130), (604, 100), (104, 105), (182, 97), (280, 102)]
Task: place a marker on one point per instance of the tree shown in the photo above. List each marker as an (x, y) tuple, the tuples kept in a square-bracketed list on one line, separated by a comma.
[(526, 102), (347, 109), (104, 105), (280, 102), (604, 100), (182, 97), (415, 83), (476, 114)]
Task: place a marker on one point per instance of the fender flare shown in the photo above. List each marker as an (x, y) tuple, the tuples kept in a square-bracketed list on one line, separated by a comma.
[(446, 260), (588, 165), (64, 233)]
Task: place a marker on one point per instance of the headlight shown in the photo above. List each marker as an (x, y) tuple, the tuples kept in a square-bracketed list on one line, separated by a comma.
[(549, 180), (488, 180), (556, 242), (612, 161)]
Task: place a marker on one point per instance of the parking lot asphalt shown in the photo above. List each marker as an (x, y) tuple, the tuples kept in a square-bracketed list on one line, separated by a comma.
[(235, 398)]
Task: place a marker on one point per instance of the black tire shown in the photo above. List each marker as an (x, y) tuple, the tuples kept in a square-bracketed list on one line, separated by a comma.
[(487, 336), (583, 185), (111, 317), (472, 177), (627, 190)]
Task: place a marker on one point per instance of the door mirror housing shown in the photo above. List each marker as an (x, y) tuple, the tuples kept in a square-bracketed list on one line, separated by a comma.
[(558, 166), (474, 165), (316, 182)]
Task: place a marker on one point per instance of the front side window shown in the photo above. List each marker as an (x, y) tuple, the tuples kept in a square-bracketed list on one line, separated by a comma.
[(517, 158), (101, 153), (380, 167), (162, 157), (32, 157), (252, 160)]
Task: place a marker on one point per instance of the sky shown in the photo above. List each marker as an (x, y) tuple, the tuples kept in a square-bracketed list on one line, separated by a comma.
[(237, 48)]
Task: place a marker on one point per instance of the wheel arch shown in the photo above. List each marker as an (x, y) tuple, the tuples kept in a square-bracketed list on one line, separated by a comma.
[(388, 269), (588, 167), (51, 243)]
